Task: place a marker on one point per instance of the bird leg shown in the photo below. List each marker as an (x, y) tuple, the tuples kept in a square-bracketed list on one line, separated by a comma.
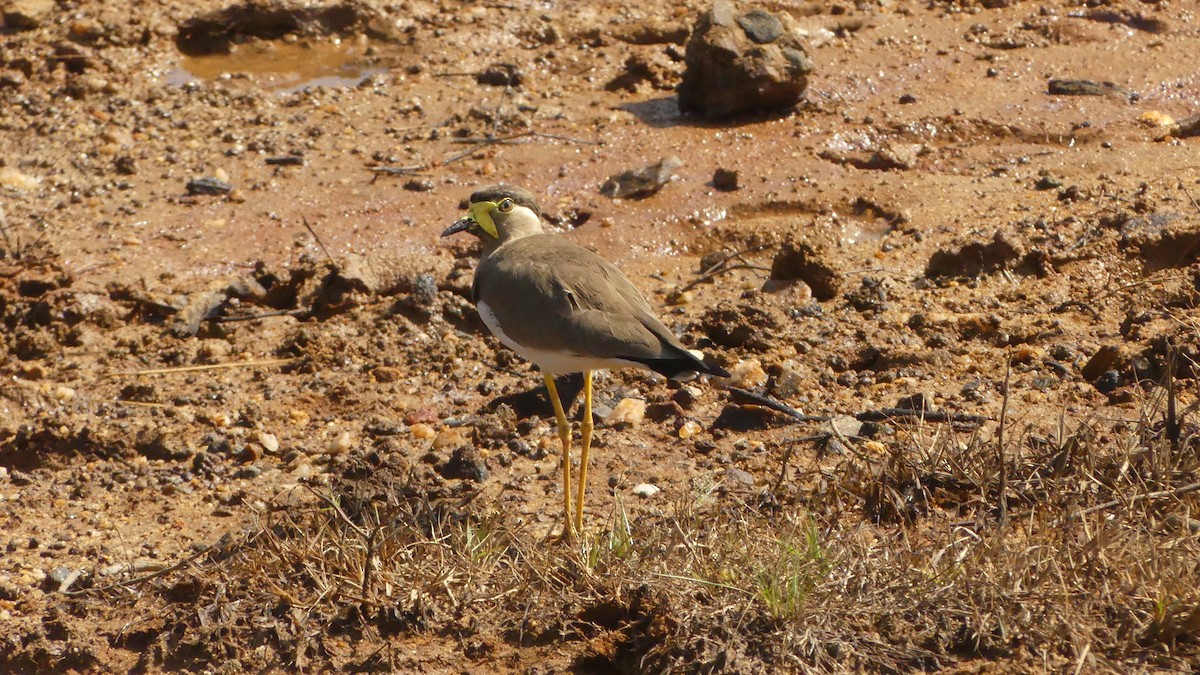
[(564, 434), (585, 429)]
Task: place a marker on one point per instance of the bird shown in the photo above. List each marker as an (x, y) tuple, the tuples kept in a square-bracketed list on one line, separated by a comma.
[(567, 310)]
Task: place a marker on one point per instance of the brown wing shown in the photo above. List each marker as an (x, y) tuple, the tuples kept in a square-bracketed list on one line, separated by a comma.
[(582, 303)]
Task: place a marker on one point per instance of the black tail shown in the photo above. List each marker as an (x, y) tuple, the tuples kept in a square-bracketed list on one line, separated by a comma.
[(682, 367)]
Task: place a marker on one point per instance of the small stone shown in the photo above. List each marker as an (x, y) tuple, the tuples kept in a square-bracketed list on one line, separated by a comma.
[(501, 75), (125, 165), (60, 574), (448, 438), (250, 471), (689, 428), (465, 463), (842, 426), (1027, 353), (269, 442), (738, 476), (725, 180), (683, 298), (748, 374), (422, 431), (11, 178), (760, 26), (687, 395), (113, 570), (1156, 119), (340, 444), (643, 182), (419, 185), (629, 412), (789, 383), (645, 490), (208, 186), (1108, 382), (1047, 182)]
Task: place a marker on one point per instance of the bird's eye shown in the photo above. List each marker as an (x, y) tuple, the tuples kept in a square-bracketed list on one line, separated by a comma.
[(506, 205)]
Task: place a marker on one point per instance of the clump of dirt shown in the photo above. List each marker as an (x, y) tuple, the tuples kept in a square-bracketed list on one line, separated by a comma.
[(217, 31)]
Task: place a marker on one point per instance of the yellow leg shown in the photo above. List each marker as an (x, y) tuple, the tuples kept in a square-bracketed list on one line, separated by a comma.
[(564, 434), (585, 429)]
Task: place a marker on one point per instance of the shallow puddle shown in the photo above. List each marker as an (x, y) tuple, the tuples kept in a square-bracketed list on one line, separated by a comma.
[(282, 67)]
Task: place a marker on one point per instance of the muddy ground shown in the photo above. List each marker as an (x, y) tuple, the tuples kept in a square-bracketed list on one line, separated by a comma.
[(214, 404)]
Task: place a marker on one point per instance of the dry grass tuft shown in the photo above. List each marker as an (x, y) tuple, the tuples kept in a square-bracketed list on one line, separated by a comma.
[(883, 563)]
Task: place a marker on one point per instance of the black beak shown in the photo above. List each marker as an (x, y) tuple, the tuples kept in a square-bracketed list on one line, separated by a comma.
[(460, 226)]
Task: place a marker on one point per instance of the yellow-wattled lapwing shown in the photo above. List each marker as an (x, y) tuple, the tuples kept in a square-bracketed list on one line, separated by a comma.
[(566, 309)]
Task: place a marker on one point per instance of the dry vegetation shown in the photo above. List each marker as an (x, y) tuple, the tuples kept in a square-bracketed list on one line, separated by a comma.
[(889, 562)]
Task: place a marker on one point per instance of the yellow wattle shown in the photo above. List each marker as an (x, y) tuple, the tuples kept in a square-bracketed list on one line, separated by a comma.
[(482, 213)]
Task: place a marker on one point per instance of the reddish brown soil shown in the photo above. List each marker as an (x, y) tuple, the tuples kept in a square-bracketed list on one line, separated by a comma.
[(949, 266)]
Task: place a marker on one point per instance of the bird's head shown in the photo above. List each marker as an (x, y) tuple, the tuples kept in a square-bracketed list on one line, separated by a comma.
[(499, 213)]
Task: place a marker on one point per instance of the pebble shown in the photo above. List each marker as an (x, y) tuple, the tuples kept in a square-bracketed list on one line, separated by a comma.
[(11, 178), (760, 26), (735, 475), (646, 490), (340, 444), (689, 428), (790, 383), (449, 439), (725, 180), (208, 186), (630, 411), (687, 395), (269, 442), (683, 298), (748, 374), (422, 431), (1154, 118), (303, 471), (299, 417)]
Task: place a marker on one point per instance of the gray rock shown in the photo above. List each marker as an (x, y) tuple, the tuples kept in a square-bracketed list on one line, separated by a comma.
[(745, 64), (501, 75), (738, 477), (760, 26), (61, 578), (641, 182), (465, 464), (208, 185), (842, 426)]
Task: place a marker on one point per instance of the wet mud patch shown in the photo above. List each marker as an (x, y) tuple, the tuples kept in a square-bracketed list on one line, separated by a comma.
[(284, 67)]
